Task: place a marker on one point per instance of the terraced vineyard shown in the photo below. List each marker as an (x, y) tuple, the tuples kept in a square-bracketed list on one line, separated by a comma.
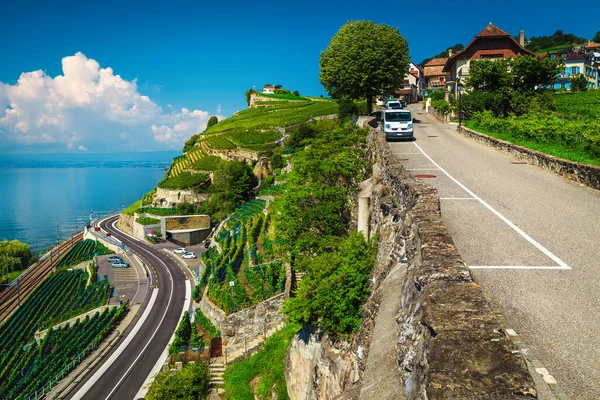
[(249, 259), (25, 365), (83, 251)]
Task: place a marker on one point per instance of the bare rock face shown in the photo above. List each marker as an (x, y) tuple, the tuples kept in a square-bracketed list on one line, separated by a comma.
[(315, 369), (166, 198), (125, 223), (262, 168)]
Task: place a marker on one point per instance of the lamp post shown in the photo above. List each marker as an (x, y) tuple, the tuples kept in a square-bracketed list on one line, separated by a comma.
[(458, 91)]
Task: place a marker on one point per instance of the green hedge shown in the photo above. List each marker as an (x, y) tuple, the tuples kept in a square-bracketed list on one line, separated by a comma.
[(545, 128), (164, 212), (147, 221)]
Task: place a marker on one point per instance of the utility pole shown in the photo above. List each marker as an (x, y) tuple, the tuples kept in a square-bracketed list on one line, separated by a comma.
[(18, 291)]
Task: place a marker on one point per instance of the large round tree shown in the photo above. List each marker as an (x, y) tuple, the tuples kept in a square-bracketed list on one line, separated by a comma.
[(364, 60)]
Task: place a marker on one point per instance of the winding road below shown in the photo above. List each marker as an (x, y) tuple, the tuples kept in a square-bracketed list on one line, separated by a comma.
[(123, 372)]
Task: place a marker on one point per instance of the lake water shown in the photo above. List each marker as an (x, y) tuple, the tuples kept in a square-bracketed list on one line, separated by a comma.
[(42, 197)]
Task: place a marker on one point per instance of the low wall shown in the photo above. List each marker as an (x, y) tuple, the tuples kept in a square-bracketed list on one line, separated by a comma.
[(252, 322), (587, 174), (445, 118)]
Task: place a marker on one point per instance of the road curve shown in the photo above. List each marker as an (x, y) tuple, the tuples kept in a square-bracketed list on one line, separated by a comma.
[(127, 374)]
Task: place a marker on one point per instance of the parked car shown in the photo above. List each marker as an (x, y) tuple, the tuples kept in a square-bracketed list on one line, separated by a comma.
[(189, 255), (113, 259), (120, 264), (181, 250), (397, 124)]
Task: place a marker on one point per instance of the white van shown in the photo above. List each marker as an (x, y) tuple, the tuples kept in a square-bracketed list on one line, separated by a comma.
[(393, 105), (397, 124)]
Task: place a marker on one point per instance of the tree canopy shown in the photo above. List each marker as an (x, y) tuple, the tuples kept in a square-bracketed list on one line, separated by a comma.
[(17, 253), (212, 121), (364, 60), (557, 39), (597, 37), (191, 383), (579, 83), (514, 85)]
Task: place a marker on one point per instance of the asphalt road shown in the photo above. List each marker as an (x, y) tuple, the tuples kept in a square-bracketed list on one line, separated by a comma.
[(128, 373), (534, 238)]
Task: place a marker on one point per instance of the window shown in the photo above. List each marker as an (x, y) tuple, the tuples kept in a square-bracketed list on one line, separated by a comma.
[(553, 56)]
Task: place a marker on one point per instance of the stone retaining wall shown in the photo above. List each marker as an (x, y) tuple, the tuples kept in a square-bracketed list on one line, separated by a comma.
[(587, 174), (445, 118)]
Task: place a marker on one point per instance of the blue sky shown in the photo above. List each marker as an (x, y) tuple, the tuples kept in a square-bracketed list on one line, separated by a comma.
[(179, 62)]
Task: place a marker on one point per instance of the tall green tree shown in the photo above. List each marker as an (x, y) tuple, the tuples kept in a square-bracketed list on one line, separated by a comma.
[(235, 181), (364, 60), (579, 83), (597, 37), (212, 121)]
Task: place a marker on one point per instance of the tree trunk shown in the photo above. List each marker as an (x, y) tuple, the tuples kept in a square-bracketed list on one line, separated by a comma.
[(369, 105)]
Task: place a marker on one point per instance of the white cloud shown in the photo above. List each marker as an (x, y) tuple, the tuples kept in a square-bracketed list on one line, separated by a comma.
[(89, 107)]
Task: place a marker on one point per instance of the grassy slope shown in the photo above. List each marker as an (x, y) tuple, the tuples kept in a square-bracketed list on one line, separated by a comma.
[(267, 365)]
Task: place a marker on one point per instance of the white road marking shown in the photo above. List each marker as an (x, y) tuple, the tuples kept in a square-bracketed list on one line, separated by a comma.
[(516, 267), (545, 251), (92, 381), (155, 331), (163, 357)]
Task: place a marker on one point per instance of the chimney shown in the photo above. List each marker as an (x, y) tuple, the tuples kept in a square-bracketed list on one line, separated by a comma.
[(449, 52), (522, 38)]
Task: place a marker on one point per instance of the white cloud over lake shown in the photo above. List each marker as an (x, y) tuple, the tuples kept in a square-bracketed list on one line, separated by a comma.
[(88, 108)]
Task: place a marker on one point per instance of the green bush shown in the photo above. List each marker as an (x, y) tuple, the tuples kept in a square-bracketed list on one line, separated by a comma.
[(191, 383), (147, 221), (206, 325), (163, 212), (442, 106), (333, 292)]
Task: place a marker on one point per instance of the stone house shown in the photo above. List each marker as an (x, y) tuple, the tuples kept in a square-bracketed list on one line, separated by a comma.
[(413, 85), (491, 43), (433, 73)]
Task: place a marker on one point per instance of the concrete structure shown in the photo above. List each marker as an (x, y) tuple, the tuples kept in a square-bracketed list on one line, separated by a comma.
[(491, 43), (186, 229), (592, 50)]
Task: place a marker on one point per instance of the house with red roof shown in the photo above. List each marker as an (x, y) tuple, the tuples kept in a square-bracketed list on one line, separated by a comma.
[(433, 73), (491, 43), (412, 86)]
